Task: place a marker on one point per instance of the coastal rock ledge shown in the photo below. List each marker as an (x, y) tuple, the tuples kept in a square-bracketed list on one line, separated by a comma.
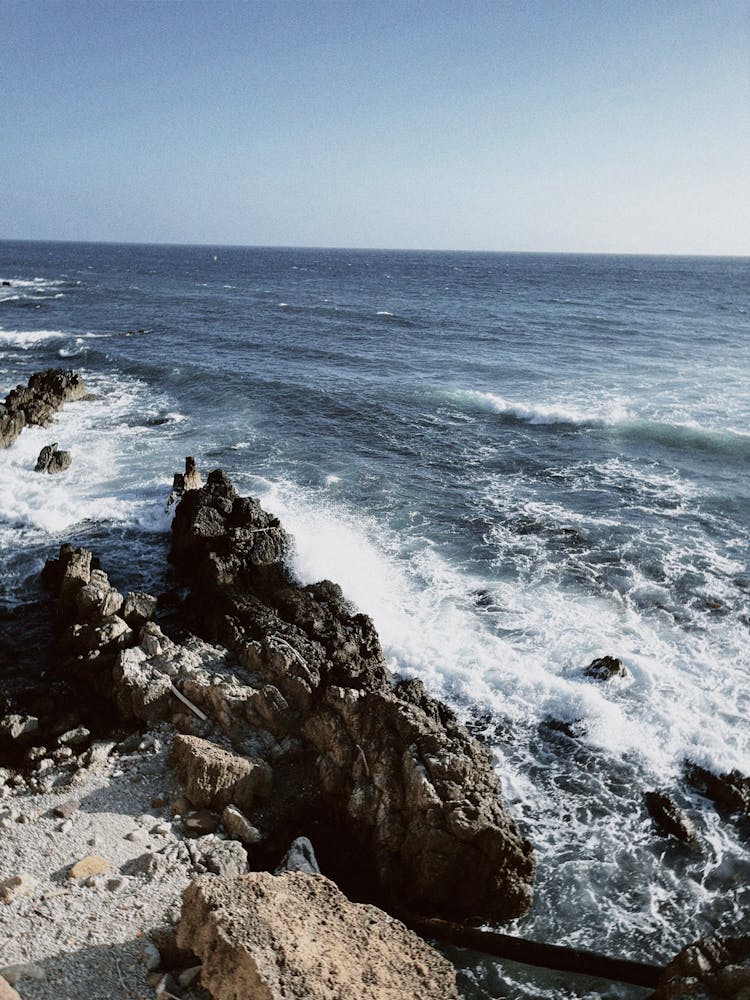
[(383, 766), (37, 402), (291, 719)]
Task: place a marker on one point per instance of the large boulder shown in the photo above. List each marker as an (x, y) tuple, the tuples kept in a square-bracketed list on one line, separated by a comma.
[(385, 767), (214, 777), (297, 937)]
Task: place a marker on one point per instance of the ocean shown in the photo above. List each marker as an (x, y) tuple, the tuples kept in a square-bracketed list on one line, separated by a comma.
[(514, 463)]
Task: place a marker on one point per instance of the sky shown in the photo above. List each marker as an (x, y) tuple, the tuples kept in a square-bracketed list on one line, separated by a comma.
[(529, 125)]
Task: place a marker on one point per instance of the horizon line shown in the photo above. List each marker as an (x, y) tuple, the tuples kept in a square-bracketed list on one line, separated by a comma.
[(364, 249)]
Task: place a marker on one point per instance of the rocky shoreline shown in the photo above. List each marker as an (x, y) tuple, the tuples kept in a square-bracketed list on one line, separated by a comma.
[(267, 717)]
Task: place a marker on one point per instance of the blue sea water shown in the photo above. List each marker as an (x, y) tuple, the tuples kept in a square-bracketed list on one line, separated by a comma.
[(514, 463)]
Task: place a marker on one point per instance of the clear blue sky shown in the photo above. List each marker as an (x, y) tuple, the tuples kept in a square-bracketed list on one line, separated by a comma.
[(526, 125)]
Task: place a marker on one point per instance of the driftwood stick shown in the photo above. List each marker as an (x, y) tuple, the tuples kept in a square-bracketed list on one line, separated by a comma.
[(548, 956), (186, 701)]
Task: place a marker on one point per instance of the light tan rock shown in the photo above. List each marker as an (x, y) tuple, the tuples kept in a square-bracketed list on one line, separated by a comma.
[(92, 864), (6, 991), (239, 826), (214, 778), (297, 937), (17, 886)]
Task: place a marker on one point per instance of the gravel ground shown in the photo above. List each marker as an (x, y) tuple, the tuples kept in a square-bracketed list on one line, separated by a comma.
[(86, 936)]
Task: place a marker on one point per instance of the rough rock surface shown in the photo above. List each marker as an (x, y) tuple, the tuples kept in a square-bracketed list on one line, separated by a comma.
[(715, 968), (401, 802), (605, 668), (388, 766), (729, 791), (217, 778), (37, 402), (263, 937), (669, 819), (51, 460)]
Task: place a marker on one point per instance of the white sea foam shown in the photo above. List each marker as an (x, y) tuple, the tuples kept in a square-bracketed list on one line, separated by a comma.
[(612, 411), (25, 339), (526, 661)]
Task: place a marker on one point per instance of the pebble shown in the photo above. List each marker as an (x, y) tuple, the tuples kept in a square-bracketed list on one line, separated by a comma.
[(65, 826), (146, 819), (137, 836), (151, 956), (162, 829), (17, 886), (66, 809), (92, 864), (188, 976), (74, 737)]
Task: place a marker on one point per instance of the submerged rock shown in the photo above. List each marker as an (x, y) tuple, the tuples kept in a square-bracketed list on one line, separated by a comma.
[(297, 937), (669, 819)]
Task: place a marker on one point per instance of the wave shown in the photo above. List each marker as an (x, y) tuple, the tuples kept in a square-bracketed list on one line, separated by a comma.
[(26, 339), (617, 418), (544, 413)]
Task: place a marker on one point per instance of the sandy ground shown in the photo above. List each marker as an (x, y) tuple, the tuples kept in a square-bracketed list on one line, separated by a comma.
[(86, 937)]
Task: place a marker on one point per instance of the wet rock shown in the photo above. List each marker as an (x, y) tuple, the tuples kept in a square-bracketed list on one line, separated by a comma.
[(298, 937), (605, 668), (299, 858), (669, 819), (215, 777), (715, 968), (51, 460), (729, 791), (37, 402)]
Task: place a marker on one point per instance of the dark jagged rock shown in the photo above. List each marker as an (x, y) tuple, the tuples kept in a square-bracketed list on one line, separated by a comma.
[(729, 791), (715, 968), (605, 668), (37, 402), (669, 819), (51, 460), (401, 802), (389, 767)]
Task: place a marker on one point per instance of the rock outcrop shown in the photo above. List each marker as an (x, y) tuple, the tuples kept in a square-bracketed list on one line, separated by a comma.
[(605, 668), (389, 767), (729, 791), (294, 721), (715, 968), (669, 819), (296, 936), (37, 402), (52, 460)]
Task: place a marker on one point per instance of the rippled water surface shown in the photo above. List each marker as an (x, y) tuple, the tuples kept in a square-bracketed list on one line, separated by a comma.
[(514, 463)]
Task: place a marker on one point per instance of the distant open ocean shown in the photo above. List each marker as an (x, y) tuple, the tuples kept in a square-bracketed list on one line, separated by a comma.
[(513, 462)]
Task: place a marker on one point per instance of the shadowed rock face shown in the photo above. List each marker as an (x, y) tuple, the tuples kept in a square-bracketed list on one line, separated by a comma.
[(387, 765), (37, 402)]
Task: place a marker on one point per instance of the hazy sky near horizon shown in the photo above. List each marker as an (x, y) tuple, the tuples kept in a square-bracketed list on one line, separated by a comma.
[(553, 126)]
